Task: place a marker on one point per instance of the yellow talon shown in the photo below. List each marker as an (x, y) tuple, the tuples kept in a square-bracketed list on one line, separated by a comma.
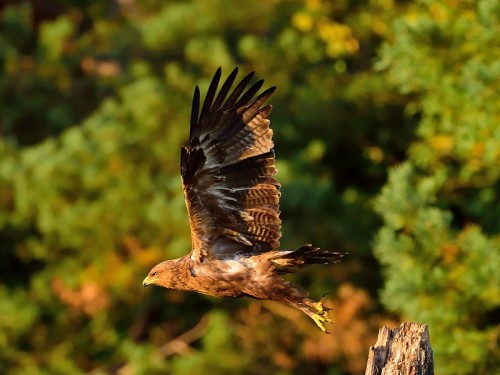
[(320, 305), (320, 318), (322, 315)]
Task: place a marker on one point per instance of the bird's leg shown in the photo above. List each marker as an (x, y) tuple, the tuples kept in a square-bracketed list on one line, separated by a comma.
[(320, 306), (319, 319), (317, 311), (321, 315), (294, 297)]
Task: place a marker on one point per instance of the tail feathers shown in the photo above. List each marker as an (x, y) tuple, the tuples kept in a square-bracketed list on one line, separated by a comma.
[(305, 255)]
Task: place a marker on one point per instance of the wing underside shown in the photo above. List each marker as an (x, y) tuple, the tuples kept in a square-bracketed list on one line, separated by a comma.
[(228, 171)]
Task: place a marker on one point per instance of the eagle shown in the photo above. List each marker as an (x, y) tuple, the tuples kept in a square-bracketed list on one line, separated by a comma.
[(232, 198)]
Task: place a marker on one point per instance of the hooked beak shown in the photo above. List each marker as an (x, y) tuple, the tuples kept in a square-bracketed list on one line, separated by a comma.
[(146, 282)]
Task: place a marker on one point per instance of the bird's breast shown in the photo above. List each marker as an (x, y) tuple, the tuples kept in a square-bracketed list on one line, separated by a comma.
[(221, 278)]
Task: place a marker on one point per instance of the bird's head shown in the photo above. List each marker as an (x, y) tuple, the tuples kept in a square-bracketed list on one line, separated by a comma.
[(164, 274)]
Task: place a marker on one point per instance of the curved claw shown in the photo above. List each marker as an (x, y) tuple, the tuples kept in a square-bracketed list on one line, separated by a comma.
[(322, 309), (319, 319), (321, 316)]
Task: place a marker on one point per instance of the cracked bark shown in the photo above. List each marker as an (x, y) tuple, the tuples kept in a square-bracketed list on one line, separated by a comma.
[(405, 350)]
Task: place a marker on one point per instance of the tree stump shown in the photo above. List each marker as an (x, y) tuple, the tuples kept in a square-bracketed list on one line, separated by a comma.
[(401, 351)]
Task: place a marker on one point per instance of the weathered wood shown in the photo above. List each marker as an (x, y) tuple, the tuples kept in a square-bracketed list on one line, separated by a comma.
[(401, 351)]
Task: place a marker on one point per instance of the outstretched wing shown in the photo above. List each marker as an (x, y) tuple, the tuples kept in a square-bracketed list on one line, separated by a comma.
[(228, 172)]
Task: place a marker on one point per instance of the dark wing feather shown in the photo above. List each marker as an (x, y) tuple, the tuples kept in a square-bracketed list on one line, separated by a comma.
[(228, 172)]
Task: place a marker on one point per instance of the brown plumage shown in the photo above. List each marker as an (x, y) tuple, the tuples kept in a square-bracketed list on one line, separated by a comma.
[(232, 198)]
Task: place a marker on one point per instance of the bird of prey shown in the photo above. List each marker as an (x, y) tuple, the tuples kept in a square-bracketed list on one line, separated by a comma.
[(232, 199)]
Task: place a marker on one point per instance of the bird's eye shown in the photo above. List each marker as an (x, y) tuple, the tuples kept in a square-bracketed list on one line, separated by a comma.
[(155, 274)]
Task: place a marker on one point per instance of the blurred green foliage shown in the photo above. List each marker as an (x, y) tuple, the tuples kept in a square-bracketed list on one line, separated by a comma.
[(94, 105), (440, 241)]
